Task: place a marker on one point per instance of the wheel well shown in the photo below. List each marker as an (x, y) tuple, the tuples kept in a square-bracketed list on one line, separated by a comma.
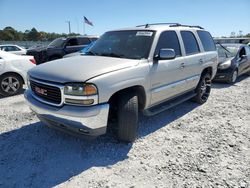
[(208, 70), (139, 90), (6, 73)]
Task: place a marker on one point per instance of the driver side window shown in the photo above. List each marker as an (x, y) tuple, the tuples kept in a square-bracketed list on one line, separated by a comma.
[(168, 39), (242, 52)]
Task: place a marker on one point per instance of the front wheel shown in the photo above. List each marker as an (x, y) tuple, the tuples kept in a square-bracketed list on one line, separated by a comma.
[(10, 84), (233, 77), (127, 117), (203, 89)]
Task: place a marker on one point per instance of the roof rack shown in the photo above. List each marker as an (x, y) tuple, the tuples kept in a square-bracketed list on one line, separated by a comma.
[(192, 26), (170, 25), (147, 25)]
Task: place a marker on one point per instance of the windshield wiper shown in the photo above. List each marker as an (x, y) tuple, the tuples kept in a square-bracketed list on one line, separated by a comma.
[(225, 49), (112, 55)]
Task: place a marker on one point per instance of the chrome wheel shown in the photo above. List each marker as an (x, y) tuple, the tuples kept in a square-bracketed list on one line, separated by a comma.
[(234, 76), (205, 89), (10, 85)]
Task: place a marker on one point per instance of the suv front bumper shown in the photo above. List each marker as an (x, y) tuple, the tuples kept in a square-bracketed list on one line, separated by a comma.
[(82, 121)]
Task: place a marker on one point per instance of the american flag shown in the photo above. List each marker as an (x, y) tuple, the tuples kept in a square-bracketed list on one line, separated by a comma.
[(87, 21)]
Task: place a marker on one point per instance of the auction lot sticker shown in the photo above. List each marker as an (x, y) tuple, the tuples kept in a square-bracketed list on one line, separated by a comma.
[(144, 33)]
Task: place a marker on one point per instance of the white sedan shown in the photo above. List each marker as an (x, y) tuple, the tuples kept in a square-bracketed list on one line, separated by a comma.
[(13, 72), (14, 49)]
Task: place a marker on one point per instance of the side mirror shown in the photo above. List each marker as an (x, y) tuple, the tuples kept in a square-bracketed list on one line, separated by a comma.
[(243, 56), (165, 53)]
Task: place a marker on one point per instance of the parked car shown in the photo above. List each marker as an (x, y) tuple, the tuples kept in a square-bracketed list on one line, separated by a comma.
[(15, 49), (234, 60), (13, 71), (60, 47), (149, 68), (81, 52)]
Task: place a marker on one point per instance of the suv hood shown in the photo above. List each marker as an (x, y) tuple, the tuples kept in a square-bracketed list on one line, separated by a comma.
[(79, 68)]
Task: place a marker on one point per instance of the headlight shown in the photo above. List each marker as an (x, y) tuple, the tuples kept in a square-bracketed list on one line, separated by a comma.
[(80, 89), (80, 94), (225, 65)]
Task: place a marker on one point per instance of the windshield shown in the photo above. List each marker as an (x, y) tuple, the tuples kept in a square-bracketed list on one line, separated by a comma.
[(124, 44), (57, 42), (228, 51)]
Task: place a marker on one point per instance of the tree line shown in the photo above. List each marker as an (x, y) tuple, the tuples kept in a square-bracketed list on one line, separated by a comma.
[(10, 34)]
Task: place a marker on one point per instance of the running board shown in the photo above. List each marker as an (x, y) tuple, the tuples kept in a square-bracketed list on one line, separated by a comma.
[(168, 104)]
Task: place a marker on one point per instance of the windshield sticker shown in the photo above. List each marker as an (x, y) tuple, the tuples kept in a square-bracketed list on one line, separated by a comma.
[(144, 33)]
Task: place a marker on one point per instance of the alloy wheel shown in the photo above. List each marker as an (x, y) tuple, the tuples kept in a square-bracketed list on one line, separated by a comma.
[(10, 85)]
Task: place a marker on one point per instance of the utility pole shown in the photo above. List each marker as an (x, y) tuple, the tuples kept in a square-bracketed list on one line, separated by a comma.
[(69, 26)]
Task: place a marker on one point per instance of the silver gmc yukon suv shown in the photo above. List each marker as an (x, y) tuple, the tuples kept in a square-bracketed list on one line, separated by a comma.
[(148, 68)]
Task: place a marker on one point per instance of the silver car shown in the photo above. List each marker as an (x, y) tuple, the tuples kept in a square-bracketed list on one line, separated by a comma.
[(148, 68)]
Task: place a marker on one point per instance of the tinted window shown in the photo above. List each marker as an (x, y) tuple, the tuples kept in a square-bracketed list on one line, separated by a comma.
[(242, 52), (190, 43), (206, 40), (83, 41), (169, 39), (57, 42), (72, 42)]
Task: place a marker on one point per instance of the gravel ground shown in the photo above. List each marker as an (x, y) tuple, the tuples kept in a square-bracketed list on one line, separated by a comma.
[(187, 146)]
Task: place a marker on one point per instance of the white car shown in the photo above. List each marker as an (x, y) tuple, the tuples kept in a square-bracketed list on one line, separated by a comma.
[(13, 72), (15, 49)]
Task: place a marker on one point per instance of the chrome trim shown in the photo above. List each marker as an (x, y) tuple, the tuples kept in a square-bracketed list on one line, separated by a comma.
[(94, 97), (61, 87), (175, 84), (63, 96)]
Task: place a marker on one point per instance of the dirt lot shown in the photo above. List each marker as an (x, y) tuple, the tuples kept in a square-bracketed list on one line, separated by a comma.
[(187, 146)]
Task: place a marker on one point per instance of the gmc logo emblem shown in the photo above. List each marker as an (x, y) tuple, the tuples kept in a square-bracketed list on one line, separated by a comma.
[(41, 91)]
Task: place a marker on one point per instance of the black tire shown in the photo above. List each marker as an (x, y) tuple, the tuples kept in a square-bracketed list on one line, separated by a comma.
[(233, 77), (127, 117), (203, 89), (10, 84)]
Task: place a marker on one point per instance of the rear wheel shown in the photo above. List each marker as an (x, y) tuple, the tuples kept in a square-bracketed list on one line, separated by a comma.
[(10, 84), (233, 77), (127, 117), (203, 89)]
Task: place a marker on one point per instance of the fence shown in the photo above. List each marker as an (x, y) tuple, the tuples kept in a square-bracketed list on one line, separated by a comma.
[(27, 44)]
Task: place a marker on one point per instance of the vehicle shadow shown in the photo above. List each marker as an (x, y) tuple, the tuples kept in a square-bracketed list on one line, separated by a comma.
[(36, 156), (21, 93), (222, 85)]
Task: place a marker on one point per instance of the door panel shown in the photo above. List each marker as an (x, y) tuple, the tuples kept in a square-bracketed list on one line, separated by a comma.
[(167, 77)]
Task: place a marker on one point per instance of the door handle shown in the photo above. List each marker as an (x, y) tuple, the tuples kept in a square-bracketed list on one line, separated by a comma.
[(182, 66), (200, 61)]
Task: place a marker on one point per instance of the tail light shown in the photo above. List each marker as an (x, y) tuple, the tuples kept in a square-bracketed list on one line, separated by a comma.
[(33, 61)]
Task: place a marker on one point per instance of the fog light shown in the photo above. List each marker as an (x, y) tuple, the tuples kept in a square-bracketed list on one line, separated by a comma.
[(79, 101)]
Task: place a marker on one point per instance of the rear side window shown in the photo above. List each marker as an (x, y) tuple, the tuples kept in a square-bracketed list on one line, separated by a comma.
[(190, 42), (168, 39), (207, 41), (83, 41)]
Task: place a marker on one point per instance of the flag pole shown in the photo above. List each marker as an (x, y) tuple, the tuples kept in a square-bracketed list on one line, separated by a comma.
[(83, 26)]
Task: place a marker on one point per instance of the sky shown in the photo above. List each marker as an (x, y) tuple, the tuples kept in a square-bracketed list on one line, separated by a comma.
[(220, 17)]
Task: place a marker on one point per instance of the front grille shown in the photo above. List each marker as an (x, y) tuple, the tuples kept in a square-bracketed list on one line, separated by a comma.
[(47, 93)]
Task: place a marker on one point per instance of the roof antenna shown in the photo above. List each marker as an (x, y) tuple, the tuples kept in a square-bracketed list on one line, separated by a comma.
[(147, 26)]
